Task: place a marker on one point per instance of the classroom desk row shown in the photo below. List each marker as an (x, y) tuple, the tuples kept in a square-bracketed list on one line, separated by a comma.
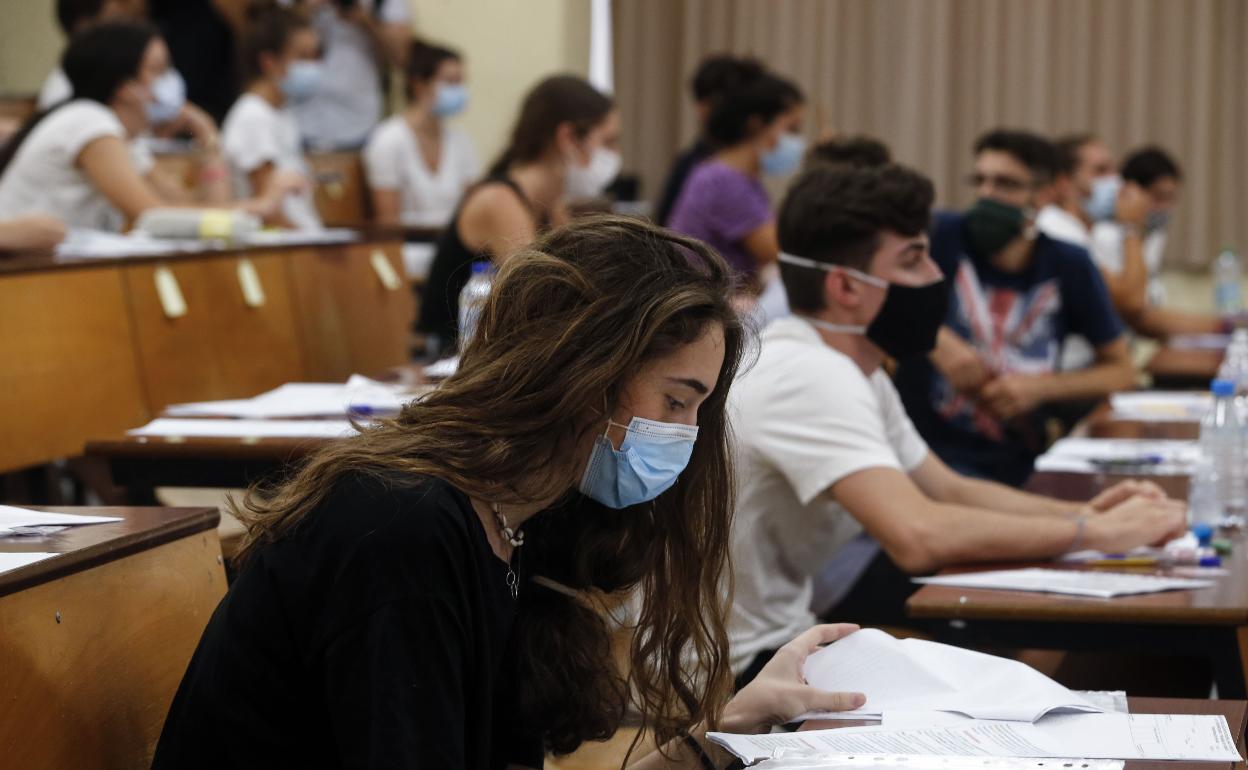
[(94, 347)]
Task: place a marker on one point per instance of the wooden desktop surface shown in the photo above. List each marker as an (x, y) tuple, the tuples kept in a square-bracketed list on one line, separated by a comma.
[(1235, 711), (1183, 368), (1103, 422), (93, 643)]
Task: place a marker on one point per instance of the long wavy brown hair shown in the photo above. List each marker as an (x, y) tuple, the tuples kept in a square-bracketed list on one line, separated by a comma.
[(568, 322)]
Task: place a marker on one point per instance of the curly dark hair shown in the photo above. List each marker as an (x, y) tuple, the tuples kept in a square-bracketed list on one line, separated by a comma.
[(1038, 154), (863, 151), (763, 98), (835, 214), (1148, 164)]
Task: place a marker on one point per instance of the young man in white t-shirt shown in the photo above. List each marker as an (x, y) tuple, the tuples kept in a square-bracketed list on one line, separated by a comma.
[(825, 449)]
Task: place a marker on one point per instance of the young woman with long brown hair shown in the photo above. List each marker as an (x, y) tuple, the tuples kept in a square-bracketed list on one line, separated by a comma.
[(421, 595)]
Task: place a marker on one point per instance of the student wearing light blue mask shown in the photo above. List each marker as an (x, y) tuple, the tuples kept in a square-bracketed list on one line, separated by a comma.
[(79, 161), (756, 129), (418, 164), (423, 594), (280, 57)]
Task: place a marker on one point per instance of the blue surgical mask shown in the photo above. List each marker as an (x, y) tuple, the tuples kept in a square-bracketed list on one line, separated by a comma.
[(303, 80), (1156, 220), (645, 466), (1102, 204), (168, 97), (450, 99), (785, 157)]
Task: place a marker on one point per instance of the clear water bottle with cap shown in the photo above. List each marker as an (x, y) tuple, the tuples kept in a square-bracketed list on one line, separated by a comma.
[(472, 298), (1203, 506), (1222, 444), (1226, 287), (1235, 365)]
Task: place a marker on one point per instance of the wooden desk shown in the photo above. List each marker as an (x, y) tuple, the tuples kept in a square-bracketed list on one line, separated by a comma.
[(339, 187), (89, 350), (1210, 623), (1183, 369), (94, 643), (1104, 423), (1235, 711)]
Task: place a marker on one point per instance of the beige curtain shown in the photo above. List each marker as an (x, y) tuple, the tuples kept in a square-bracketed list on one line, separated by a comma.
[(927, 76)]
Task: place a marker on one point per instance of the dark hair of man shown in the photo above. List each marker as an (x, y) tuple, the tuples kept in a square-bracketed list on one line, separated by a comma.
[(737, 113), (720, 72), (71, 13), (835, 214), (1148, 164), (269, 30), (1068, 149), (860, 151), (1035, 152)]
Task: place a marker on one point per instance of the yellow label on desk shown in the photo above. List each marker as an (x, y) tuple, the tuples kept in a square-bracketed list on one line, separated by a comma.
[(169, 293), (249, 282), (385, 271), (216, 223)]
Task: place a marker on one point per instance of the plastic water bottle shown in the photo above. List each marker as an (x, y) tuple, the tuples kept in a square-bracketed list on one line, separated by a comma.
[(1235, 365), (1226, 289), (1203, 506), (1222, 443), (471, 299)]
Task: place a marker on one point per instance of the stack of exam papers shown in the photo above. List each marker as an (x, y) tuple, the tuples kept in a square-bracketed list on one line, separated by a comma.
[(1135, 456), (359, 396), (23, 521), (1160, 405), (1101, 585), (173, 427), (937, 700)]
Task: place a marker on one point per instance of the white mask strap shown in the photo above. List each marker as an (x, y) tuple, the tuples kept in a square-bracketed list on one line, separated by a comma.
[(827, 268)]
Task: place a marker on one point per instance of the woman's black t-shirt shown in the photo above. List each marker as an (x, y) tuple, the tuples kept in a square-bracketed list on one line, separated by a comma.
[(450, 271), (376, 635)]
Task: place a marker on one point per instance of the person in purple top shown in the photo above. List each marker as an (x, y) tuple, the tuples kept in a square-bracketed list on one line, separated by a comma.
[(755, 129)]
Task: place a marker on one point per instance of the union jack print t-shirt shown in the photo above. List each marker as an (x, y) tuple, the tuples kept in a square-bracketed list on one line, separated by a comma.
[(1018, 323)]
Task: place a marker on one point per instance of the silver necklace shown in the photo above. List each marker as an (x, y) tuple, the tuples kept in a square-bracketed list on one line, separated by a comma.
[(516, 539)]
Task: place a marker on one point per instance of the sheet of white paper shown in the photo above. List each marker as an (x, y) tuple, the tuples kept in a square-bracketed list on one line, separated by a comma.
[(1096, 736), (1200, 341), (89, 244), (1109, 701), (10, 561), (1077, 455), (11, 517), (302, 237), (359, 396), (209, 428), (1098, 584), (918, 674), (919, 762), (1160, 405), (441, 369)]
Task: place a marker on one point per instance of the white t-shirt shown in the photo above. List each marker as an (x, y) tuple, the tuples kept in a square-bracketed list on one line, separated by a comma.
[(1107, 253), (348, 103), (44, 176), (427, 198), (255, 133), (1057, 222), (804, 417), (56, 88)]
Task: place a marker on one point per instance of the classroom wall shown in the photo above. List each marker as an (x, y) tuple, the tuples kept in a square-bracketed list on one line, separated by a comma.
[(30, 43), (509, 46)]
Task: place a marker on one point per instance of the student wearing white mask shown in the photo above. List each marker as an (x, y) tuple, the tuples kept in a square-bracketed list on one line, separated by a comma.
[(261, 136), (756, 130), (418, 166), (564, 144), (76, 161), (826, 451)]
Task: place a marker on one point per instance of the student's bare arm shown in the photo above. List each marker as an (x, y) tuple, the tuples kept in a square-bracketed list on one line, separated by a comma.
[(1011, 395)]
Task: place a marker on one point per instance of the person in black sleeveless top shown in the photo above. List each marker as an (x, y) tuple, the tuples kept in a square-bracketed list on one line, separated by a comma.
[(429, 593), (563, 142)]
